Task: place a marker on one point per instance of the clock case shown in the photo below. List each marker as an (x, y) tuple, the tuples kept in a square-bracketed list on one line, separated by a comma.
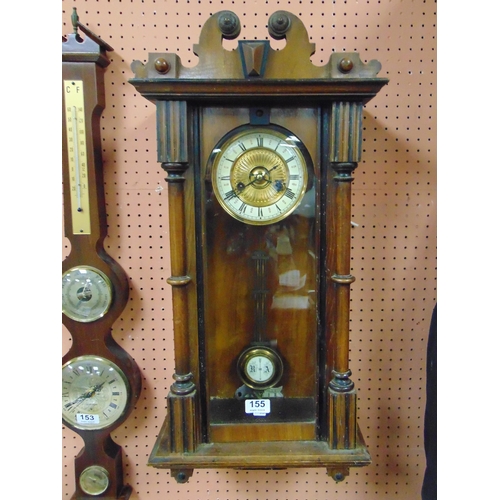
[(314, 423)]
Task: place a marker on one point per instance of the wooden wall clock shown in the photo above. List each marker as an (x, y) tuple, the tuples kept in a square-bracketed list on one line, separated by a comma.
[(100, 381), (259, 146)]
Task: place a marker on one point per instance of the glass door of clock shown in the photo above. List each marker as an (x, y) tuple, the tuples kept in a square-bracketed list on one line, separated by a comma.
[(261, 289)]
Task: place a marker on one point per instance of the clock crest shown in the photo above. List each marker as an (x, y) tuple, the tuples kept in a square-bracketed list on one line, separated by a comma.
[(259, 146)]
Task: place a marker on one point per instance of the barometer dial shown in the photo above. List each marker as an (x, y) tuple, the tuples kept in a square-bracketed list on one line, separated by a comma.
[(87, 293)]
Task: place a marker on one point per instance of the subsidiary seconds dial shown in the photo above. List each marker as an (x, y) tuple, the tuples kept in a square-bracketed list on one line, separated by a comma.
[(259, 174), (260, 367)]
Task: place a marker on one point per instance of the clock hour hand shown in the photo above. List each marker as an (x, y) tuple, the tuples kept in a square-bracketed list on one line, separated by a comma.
[(75, 402), (86, 395), (240, 186)]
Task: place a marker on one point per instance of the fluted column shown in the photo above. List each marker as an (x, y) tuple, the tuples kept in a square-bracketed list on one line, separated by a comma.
[(182, 401), (345, 151)]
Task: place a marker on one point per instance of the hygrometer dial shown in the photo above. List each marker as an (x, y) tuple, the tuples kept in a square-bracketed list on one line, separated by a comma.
[(87, 293), (95, 393), (94, 480), (259, 174)]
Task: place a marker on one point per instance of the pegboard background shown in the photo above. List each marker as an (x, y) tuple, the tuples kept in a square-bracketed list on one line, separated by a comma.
[(393, 245)]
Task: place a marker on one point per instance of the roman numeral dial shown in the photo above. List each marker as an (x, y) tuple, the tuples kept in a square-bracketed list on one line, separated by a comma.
[(95, 393), (259, 174)]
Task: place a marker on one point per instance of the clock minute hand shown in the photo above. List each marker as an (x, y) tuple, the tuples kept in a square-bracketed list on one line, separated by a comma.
[(86, 395), (79, 400), (242, 186)]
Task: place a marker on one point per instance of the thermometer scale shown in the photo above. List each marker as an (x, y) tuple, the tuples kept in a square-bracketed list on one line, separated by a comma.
[(77, 156)]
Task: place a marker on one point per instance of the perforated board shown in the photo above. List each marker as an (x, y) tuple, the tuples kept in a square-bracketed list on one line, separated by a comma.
[(393, 242)]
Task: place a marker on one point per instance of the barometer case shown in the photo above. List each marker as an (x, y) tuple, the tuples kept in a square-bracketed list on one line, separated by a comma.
[(100, 381), (259, 146)]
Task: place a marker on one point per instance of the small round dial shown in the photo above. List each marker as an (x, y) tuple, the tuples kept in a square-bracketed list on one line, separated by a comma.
[(86, 293), (95, 393), (259, 174), (260, 367), (94, 480)]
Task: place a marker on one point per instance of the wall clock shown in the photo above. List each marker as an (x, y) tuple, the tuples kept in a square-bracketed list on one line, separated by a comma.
[(259, 146), (100, 381)]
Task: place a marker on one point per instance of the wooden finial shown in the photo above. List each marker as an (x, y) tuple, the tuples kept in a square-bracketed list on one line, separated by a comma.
[(74, 21)]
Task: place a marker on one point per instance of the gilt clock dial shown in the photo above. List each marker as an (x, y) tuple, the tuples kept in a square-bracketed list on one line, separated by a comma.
[(95, 393), (259, 174)]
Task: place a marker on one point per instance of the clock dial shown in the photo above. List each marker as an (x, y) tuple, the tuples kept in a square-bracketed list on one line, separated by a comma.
[(259, 369), (94, 480), (259, 175), (94, 393), (86, 294)]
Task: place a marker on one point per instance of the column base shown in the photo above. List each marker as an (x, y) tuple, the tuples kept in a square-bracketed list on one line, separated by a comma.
[(341, 408), (183, 433)]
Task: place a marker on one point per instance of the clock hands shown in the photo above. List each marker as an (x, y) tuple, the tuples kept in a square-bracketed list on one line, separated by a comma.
[(90, 392), (262, 175)]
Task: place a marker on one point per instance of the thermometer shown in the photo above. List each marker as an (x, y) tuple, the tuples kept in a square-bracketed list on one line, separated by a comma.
[(77, 156)]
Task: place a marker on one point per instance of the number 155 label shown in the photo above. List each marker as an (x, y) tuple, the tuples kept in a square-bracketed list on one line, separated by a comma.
[(258, 407)]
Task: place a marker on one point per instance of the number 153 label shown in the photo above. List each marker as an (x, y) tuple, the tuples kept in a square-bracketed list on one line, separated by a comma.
[(85, 418), (258, 407)]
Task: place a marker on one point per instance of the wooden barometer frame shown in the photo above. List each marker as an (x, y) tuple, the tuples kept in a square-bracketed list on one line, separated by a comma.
[(84, 60)]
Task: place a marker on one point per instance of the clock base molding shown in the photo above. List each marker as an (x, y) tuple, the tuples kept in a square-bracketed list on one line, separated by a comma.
[(260, 455)]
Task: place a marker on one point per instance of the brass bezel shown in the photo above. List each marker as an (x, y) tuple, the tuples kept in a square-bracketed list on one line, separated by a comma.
[(103, 361), (284, 135), (266, 352), (107, 282), (89, 470)]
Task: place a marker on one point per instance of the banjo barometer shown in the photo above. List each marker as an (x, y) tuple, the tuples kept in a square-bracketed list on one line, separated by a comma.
[(100, 380), (259, 147)]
